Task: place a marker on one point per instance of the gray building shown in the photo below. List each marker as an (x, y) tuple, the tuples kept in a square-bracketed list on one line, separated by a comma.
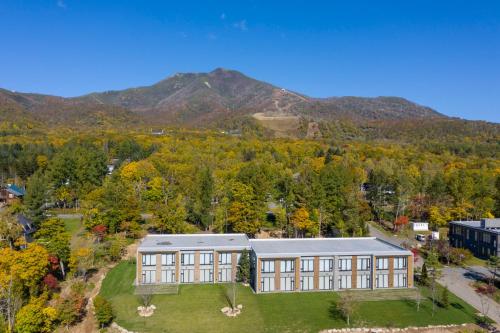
[(480, 237), (277, 265)]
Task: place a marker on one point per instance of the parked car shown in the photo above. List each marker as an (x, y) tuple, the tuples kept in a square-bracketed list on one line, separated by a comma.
[(420, 237)]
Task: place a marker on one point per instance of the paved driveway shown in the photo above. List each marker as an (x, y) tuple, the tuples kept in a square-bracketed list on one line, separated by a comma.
[(459, 282)]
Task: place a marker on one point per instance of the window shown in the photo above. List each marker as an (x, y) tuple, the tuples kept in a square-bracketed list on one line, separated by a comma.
[(225, 275), (168, 276), (287, 283), (345, 282), (306, 283), (400, 262), (267, 266), (206, 258), (225, 258), (363, 281), (206, 275), (326, 282), (187, 276), (149, 260), (168, 259), (486, 237), (148, 276), (345, 264), (364, 264), (399, 280), (382, 263), (287, 266), (307, 265), (382, 281), (187, 259), (326, 265), (238, 256), (267, 284)]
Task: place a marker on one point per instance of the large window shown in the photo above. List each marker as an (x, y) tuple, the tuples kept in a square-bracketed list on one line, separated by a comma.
[(149, 260), (206, 275), (399, 280), (307, 265), (187, 259), (225, 275), (363, 281), (306, 283), (187, 275), (382, 263), (382, 281), (168, 259), (148, 276), (168, 276), (287, 283), (400, 262), (325, 265), (326, 282), (206, 258), (345, 264), (267, 266), (287, 266), (364, 264), (267, 284), (345, 282), (225, 258)]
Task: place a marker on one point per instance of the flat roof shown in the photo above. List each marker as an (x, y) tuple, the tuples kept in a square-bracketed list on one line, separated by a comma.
[(324, 247), (176, 242), (476, 225)]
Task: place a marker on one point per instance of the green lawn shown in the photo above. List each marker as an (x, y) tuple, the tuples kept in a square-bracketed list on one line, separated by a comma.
[(73, 225), (197, 309)]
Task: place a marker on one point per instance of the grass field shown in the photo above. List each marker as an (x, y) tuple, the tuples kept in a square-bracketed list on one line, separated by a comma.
[(197, 309)]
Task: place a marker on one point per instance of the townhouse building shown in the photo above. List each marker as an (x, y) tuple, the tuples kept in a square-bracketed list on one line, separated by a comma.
[(277, 265)]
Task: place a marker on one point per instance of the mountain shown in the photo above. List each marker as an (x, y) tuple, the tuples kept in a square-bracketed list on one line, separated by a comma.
[(203, 98), (23, 109), (229, 99)]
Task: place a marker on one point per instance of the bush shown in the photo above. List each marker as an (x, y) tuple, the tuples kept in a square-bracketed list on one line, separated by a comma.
[(70, 309), (459, 256), (103, 311)]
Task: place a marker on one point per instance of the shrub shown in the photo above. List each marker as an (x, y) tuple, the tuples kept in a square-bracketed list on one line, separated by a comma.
[(103, 311)]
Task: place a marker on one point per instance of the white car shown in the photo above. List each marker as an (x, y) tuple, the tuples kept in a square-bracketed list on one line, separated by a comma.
[(420, 237)]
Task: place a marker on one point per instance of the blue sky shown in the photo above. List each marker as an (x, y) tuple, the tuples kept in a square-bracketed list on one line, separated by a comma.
[(444, 54)]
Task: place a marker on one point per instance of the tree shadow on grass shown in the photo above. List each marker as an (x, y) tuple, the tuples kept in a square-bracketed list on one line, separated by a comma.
[(334, 311)]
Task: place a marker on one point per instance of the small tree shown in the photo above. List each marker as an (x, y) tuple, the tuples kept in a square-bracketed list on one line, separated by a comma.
[(103, 311), (434, 272), (445, 298), (484, 292), (418, 299), (347, 306), (243, 273)]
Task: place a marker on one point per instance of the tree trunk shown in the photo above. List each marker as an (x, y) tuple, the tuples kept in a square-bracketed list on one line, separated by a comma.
[(63, 272)]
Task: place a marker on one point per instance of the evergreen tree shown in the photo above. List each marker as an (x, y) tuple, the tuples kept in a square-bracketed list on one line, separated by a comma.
[(103, 311), (445, 299), (243, 274), (424, 276), (36, 197)]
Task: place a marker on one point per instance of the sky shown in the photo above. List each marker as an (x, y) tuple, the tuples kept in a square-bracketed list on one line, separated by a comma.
[(443, 54)]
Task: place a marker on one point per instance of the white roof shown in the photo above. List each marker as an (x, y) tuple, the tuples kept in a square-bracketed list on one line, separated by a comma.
[(324, 247), (176, 242)]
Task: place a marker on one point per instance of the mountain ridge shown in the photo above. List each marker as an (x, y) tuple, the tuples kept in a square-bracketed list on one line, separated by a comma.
[(203, 100)]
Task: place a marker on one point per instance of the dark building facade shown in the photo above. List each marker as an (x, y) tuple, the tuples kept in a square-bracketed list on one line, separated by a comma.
[(480, 237)]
